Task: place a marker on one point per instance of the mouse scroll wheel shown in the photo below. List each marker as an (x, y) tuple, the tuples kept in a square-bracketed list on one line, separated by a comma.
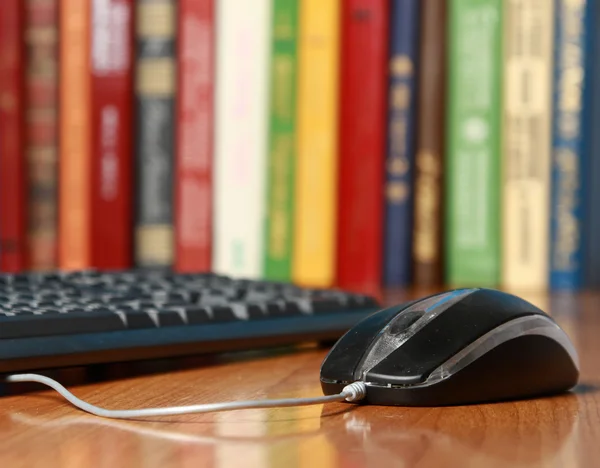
[(403, 321)]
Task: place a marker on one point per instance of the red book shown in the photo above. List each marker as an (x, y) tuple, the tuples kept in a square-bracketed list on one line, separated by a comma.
[(41, 132), (194, 142), (112, 126), (12, 187), (363, 94)]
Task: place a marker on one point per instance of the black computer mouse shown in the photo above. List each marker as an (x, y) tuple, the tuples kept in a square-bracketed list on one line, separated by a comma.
[(457, 347)]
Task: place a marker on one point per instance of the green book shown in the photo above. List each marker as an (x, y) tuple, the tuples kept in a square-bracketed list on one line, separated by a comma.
[(282, 141), (473, 152)]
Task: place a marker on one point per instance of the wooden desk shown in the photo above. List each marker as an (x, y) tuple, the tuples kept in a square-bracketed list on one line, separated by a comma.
[(41, 429)]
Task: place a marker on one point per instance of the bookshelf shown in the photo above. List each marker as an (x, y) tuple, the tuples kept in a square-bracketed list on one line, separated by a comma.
[(363, 144)]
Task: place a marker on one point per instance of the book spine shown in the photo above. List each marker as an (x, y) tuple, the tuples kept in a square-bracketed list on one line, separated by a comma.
[(154, 90), (12, 57), (282, 141), (41, 132), (473, 159), (569, 145), (400, 158), (241, 136), (363, 97), (527, 97), (592, 223), (194, 142), (315, 197), (111, 120), (427, 248), (74, 136)]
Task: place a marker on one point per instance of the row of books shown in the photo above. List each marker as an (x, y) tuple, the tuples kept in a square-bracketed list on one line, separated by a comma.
[(522, 160), (356, 143)]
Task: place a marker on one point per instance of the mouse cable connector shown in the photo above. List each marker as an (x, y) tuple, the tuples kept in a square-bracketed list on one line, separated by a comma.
[(355, 391)]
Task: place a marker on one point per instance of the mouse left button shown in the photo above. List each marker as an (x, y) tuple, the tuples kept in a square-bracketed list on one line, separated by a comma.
[(344, 356)]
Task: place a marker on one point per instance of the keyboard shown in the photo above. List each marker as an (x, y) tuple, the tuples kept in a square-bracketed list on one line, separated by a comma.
[(53, 320)]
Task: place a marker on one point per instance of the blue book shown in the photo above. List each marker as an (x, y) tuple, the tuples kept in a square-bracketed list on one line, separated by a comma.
[(404, 42), (592, 218), (572, 105)]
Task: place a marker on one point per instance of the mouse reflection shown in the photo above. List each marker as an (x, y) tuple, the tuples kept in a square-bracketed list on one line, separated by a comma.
[(539, 431)]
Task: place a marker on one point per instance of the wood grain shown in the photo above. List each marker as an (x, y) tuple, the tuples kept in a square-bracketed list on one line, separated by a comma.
[(40, 429)]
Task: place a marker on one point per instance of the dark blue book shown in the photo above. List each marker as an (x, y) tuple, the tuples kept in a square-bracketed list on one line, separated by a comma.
[(404, 42), (592, 218), (572, 132)]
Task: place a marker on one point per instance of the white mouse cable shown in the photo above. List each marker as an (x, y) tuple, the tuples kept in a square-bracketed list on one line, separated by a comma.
[(355, 391)]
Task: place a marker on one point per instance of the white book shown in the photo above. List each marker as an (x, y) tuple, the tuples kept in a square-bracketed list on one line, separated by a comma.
[(241, 136), (526, 156)]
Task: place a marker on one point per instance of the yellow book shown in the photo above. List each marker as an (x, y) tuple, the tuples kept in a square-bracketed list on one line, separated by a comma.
[(313, 260)]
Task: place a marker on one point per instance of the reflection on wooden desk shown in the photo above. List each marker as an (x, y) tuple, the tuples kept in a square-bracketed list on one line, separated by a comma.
[(41, 429)]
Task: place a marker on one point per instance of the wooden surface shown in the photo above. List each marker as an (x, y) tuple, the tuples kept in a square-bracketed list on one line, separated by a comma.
[(40, 429)]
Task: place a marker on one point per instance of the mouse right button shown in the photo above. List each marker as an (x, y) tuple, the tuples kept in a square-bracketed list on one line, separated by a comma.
[(477, 314)]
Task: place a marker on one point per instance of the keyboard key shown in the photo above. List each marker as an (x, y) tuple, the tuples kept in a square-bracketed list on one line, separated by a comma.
[(197, 315), (257, 311), (140, 319), (325, 305), (49, 311), (48, 324), (282, 309), (171, 318), (304, 305), (359, 302), (222, 314)]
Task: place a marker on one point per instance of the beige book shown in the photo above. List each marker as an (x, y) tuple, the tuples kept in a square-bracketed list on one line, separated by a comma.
[(241, 132), (526, 144)]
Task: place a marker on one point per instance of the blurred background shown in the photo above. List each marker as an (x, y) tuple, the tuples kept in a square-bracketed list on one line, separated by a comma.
[(362, 144)]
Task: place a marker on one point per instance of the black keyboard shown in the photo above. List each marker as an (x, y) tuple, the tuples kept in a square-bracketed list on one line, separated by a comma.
[(77, 318)]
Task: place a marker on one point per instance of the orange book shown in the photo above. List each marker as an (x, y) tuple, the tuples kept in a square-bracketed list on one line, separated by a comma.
[(75, 129)]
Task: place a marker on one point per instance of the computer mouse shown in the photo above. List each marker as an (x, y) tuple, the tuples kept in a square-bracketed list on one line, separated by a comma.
[(457, 347)]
